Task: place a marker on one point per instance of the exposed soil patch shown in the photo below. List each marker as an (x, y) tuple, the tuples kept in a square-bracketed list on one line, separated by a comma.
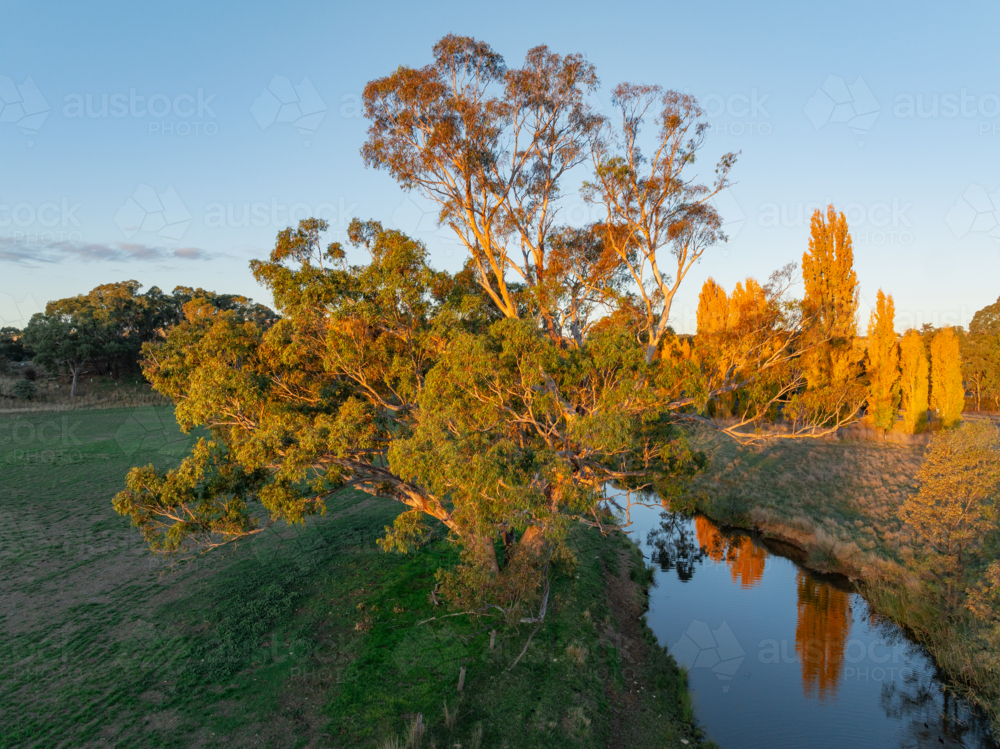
[(623, 596)]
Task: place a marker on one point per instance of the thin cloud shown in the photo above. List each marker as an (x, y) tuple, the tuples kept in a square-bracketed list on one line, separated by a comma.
[(192, 253), (21, 251)]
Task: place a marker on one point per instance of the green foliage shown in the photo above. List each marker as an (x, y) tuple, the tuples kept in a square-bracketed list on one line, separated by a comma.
[(498, 401), (391, 376), (408, 532), (12, 345), (24, 389), (107, 327), (62, 344), (980, 349), (255, 601)]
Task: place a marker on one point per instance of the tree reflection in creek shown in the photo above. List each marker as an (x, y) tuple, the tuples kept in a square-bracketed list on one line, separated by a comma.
[(847, 661), (821, 633), (675, 546), (744, 558), (933, 716), (823, 612)]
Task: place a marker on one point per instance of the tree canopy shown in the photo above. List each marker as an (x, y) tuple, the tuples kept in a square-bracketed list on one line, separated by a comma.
[(499, 401), (914, 382), (947, 389), (883, 364)]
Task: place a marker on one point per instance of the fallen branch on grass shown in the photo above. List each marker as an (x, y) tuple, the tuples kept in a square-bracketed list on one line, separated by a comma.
[(525, 647)]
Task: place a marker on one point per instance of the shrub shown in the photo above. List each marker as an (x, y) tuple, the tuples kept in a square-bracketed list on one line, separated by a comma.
[(29, 374), (25, 389)]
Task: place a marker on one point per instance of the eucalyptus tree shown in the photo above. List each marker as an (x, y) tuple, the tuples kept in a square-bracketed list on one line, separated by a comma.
[(498, 401), (61, 343)]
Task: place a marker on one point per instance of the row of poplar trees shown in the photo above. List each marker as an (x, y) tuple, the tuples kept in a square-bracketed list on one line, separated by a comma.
[(881, 377)]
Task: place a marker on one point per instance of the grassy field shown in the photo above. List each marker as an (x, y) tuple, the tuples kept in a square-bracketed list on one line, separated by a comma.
[(837, 501), (306, 637)]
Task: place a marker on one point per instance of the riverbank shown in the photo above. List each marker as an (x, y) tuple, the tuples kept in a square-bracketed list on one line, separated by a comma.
[(306, 636), (837, 502)]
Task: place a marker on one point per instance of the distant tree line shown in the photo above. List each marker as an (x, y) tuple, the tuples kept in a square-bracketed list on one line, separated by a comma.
[(981, 356), (104, 330)]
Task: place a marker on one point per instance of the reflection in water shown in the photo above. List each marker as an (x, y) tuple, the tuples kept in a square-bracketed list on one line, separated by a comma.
[(854, 679), (917, 701), (824, 623), (932, 716), (674, 546), (745, 559)]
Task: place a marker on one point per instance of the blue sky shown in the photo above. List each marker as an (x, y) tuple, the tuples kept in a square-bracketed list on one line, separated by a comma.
[(892, 114)]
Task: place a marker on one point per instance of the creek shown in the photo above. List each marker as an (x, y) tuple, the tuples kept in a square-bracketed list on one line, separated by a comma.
[(781, 657)]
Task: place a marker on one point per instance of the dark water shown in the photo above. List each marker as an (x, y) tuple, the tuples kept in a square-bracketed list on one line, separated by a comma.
[(780, 657)]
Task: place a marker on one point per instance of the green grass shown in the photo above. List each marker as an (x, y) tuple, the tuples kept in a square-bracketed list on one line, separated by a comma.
[(306, 636)]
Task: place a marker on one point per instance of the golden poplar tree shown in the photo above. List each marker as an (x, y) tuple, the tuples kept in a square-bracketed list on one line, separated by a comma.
[(728, 333), (913, 380), (821, 635), (947, 390), (883, 364), (713, 308), (719, 312), (830, 303), (747, 303)]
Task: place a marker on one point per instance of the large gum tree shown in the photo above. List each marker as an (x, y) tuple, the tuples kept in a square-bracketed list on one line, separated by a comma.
[(498, 401)]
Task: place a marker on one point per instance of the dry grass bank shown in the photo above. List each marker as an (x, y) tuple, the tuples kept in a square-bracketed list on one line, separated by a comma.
[(838, 500), (835, 498)]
